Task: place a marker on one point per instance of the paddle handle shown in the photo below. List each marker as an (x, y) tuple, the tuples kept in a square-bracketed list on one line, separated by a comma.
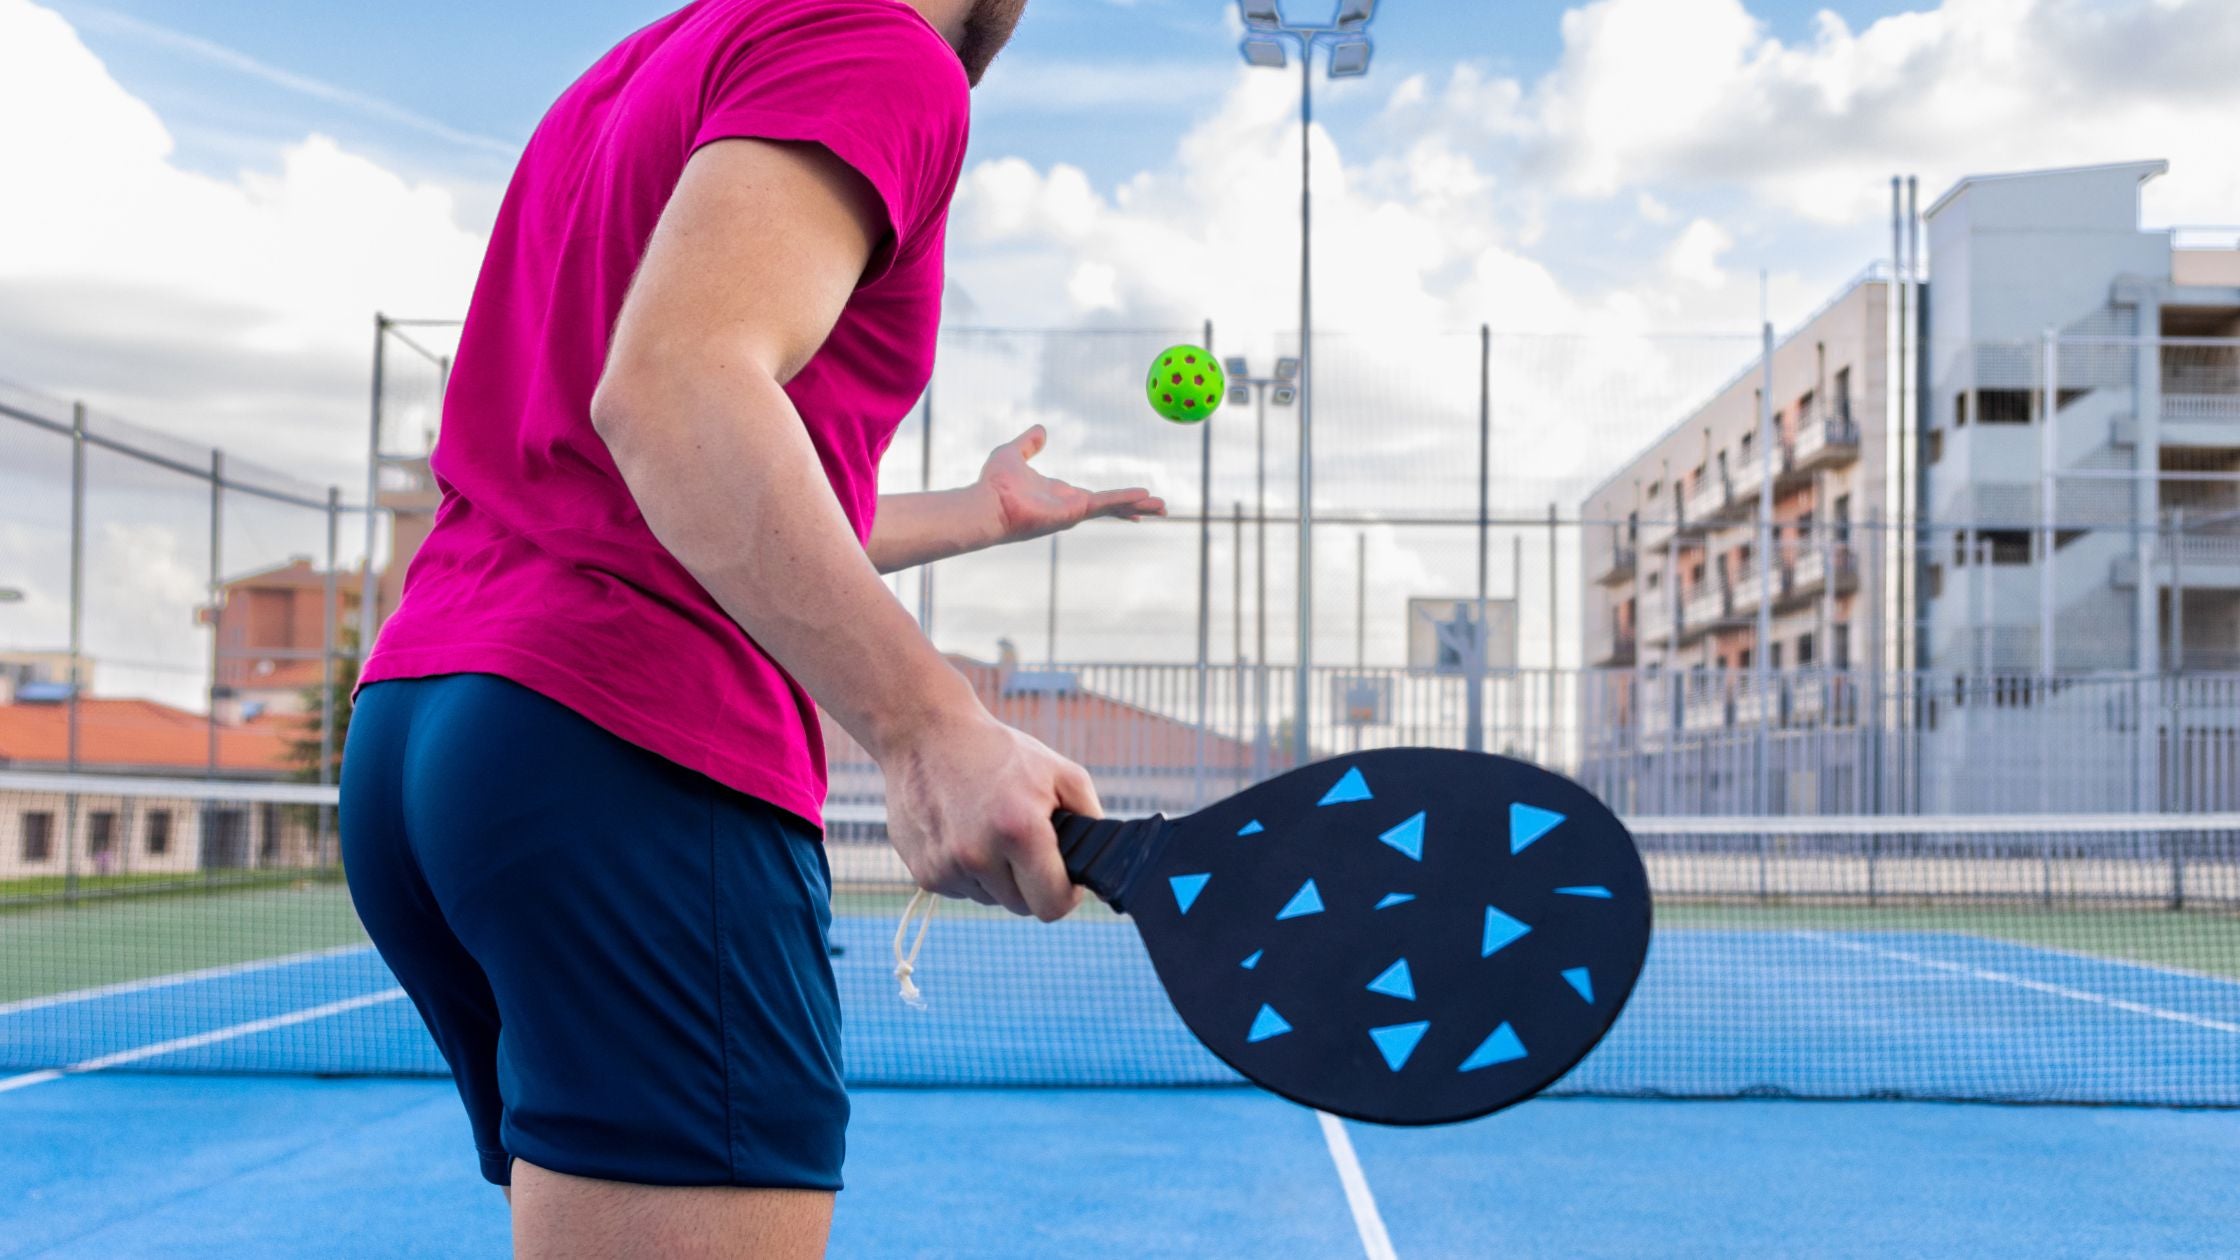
[(1104, 854)]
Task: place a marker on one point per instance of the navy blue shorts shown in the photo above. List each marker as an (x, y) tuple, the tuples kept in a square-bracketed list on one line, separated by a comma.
[(622, 961)]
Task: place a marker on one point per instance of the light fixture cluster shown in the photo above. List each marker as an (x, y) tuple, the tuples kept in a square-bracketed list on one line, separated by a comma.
[(1265, 29)]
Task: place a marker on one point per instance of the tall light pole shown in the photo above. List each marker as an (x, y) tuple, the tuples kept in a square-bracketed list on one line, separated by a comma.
[(1284, 384), (1266, 31)]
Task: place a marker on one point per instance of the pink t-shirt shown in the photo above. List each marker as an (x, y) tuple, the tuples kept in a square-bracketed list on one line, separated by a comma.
[(540, 568)]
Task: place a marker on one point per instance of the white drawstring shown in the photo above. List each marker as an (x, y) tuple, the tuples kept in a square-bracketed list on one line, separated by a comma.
[(904, 965)]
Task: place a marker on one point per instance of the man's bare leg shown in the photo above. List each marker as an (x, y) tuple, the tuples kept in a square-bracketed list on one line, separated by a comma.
[(559, 1217)]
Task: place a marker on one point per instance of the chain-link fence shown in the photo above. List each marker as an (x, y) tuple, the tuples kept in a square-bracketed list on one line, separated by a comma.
[(175, 610)]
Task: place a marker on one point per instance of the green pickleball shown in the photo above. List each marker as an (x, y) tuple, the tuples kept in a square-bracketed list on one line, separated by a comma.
[(1185, 384)]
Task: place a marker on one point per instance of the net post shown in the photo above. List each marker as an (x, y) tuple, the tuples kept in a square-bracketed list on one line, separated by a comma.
[(77, 642), (328, 615)]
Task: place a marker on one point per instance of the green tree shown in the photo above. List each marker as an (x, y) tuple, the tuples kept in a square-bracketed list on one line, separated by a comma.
[(304, 749)]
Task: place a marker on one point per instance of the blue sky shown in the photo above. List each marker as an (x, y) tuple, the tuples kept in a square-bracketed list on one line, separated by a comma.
[(488, 70)]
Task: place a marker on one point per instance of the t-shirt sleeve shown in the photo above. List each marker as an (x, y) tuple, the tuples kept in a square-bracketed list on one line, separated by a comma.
[(867, 80)]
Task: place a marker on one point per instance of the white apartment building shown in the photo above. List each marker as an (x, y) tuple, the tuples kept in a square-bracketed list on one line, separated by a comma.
[(2044, 278), (1958, 616)]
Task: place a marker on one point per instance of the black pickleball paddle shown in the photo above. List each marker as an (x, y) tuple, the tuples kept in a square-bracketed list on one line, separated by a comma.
[(1406, 936)]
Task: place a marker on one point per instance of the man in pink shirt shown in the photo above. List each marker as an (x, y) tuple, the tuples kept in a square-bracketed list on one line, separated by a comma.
[(584, 775)]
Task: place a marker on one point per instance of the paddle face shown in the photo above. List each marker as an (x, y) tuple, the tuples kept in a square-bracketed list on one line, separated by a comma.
[(1407, 936)]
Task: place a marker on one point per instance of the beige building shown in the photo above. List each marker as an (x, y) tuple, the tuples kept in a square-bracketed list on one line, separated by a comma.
[(1675, 575)]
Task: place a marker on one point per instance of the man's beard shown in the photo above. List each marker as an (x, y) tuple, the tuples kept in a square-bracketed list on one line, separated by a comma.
[(987, 28)]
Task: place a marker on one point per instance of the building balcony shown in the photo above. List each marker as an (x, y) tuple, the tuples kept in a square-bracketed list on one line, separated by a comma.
[(1706, 609), (1613, 646), (1655, 624), (1749, 475), (1709, 501), (1812, 570), (2197, 562), (1827, 442), (1616, 565), (1750, 588)]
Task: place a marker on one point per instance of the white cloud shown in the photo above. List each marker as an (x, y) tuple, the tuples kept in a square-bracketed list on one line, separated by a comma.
[(1666, 93), (237, 310), (1693, 257)]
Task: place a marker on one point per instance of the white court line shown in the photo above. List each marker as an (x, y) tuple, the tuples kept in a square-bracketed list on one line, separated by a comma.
[(2024, 982), (248, 1029), (1366, 1221), (176, 978)]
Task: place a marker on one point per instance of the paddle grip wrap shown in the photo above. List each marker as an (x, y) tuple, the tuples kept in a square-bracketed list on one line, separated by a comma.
[(1103, 855)]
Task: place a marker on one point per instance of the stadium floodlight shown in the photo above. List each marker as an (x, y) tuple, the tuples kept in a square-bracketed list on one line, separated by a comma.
[(1263, 52), (1284, 396), (1287, 369), (1235, 365), (1266, 29), (1239, 395)]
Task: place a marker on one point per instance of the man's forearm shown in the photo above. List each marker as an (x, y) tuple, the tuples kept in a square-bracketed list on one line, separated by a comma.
[(915, 529), (719, 463)]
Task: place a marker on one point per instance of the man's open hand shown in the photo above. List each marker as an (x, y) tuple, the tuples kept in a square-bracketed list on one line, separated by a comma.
[(1029, 504)]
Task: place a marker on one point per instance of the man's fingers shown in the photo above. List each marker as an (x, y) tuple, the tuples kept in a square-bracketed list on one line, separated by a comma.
[(1077, 792), (1041, 876), (996, 881), (1132, 502), (1030, 443)]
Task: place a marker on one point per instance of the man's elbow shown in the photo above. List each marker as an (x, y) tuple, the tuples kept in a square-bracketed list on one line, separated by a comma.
[(614, 403)]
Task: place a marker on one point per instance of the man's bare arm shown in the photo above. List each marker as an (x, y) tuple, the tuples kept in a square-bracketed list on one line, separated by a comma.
[(1010, 502), (755, 257)]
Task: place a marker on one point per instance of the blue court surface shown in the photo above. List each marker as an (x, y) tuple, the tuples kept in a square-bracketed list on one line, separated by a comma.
[(142, 1150), (112, 1165)]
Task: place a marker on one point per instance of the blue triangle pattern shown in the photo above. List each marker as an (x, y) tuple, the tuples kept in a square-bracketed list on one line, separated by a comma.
[(1586, 890), (1308, 900), (1186, 889), (1252, 828), (1253, 960), (1528, 823), (1502, 1045), (1267, 1024), (1351, 787), (1501, 930), (1394, 981), (1397, 1041), (1407, 837), (1578, 978), (1395, 899)]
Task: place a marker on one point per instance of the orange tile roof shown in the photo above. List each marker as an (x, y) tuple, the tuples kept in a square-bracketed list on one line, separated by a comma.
[(142, 735), (1095, 730)]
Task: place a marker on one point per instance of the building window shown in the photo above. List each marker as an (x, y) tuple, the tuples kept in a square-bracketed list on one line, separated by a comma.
[(38, 837), (1843, 520), (159, 832), (1633, 527), (1843, 647), (2005, 406), (268, 845), (1653, 579), (1773, 656), (101, 833), (1804, 651), (1843, 393), (1935, 444), (1804, 404), (1960, 410)]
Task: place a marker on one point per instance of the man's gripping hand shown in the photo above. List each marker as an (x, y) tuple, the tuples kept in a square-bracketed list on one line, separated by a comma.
[(969, 803)]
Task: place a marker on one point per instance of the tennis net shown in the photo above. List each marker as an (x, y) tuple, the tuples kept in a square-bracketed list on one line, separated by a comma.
[(184, 926)]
